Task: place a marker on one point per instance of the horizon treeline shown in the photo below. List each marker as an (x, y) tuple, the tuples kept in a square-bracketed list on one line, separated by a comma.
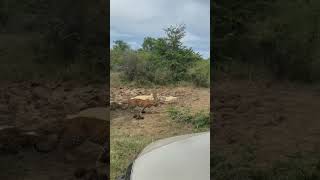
[(160, 61)]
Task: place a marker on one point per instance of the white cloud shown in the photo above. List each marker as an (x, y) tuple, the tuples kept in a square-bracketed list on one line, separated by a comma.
[(114, 33), (134, 44), (189, 37), (132, 20)]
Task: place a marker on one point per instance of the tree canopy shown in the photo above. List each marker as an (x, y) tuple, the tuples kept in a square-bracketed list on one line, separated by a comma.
[(159, 60)]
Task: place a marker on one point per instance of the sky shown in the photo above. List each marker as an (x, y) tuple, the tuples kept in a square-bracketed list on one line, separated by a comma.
[(133, 20)]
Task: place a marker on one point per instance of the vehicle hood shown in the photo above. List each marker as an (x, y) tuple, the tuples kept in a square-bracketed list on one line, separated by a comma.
[(185, 157)]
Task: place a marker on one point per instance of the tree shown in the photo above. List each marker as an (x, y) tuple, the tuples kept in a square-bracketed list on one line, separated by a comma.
[(121, 46), (174, 36), (160, 60), (149, 44)]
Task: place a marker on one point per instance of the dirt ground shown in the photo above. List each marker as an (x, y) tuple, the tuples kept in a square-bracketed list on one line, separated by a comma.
[(156, 123), (276, 119), (30, 105), (155, 120)]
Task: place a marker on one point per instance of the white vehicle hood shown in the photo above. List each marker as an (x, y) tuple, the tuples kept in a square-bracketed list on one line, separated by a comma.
[(184, 157)]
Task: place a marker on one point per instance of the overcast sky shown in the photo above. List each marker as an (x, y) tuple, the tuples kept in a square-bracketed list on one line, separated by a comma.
[(132, 20)]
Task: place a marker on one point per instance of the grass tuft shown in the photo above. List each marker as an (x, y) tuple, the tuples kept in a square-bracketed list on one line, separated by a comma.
[(199, 120)]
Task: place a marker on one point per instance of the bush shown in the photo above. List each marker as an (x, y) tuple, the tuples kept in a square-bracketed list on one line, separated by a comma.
[(162, 76), (200, 73), (180, 115), (148, 68), (160, 61), (132, 67), (199, 120)]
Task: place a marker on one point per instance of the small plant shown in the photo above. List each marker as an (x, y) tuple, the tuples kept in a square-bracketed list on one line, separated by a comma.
[(180, 115), (201, 120), (183, 115)]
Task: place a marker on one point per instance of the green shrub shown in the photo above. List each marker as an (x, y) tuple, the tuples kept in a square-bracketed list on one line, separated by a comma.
[(200, 73), (160, 61), (145, 68), (183, 115), (132, 67), (180, 115), (201, 120), (162, 76)]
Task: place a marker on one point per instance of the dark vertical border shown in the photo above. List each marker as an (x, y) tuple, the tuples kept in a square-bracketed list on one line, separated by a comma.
[(108, 78), (212, 60)]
